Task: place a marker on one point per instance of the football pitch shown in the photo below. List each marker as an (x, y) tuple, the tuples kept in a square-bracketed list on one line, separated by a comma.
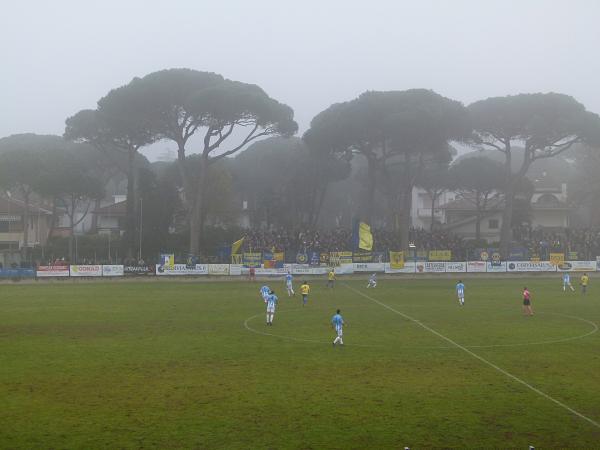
[(193, 365)]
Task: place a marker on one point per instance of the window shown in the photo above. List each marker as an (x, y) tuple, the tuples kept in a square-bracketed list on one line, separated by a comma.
[(493, 224)]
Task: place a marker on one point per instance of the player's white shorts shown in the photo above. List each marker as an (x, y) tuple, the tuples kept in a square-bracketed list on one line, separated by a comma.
[(339, 330), (289, 284), (265, 298), (270, 308)]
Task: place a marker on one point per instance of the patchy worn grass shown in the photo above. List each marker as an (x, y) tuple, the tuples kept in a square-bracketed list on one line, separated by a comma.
[(171, 365)]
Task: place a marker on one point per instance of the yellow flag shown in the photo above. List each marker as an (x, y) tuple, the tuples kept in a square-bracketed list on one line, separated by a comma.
[(396, 260), (235, 247), (365, 237), (556, 259)]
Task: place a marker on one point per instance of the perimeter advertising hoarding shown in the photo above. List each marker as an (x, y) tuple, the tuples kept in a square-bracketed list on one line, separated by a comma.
[(113, 270), (52, 271), (530, 266), (86, 270), (456, 267), (182, 269), (476, 266)]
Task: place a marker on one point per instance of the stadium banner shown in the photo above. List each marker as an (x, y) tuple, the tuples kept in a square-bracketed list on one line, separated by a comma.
[(17, 273), (273, 260), (218, 269), (397, 260), (314, 258), (235, 270), (182, 269), (252, 259), (557, 259), (303, 269), (236, 259), (577, 266), (337, 259), (324, 258), (530, 266), (302, 258), (52, 271), (518, 254), (419, 255), (598, 262), (280, 271), (345, 269), (409, 267), (572, 256), (369, 267), (85, 271), (476, 266), (456, 267), (440, 255), (431, 267), (499, 267), (362, 257), (167, 259), (139, 270), (113, 270)]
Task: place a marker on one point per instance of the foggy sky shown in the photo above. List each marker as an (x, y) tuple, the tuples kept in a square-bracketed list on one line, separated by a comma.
[(61, 56)]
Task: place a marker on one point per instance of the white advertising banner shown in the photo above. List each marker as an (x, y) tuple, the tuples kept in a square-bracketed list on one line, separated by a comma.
[(182, 269), (456, 267), (496, 268), (530, 266), (235, 270), (476, 266), (577, 266), (113, 271), (52, 271), (368, 267), (409, 267), (218, 269), (344, 269), (431, 267), (86, 271)]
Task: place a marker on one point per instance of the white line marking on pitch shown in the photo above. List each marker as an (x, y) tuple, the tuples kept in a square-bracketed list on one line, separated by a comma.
[(476, 356)]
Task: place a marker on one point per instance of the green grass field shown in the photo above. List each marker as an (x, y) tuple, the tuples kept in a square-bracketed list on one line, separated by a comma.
[(190, 365)]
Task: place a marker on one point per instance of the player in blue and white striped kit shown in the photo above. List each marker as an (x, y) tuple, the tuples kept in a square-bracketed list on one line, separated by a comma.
[(271, 303), (265, 291), (288, 284), (337, 322), (567, 282), (372, 281), (460, 291)]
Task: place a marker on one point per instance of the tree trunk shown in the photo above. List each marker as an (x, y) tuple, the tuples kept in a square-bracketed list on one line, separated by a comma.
[(433, 198), (130, 222), (406, 205), (479, 216), (372, 179), (197, 209), (317, 210), (71, 214)]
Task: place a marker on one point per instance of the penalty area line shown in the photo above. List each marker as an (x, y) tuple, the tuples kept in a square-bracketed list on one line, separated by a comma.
[(476, 356)]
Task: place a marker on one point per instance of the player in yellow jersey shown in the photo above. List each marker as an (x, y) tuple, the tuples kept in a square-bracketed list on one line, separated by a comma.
[(584, 283), (304, 290), (331, 278)]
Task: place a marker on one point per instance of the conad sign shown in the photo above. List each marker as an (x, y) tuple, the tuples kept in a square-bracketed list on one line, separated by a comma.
[(86, 271)]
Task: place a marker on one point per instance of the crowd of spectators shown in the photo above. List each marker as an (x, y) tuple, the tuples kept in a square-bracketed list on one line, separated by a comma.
[(585, 243), (536, 242), (341, 239)]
